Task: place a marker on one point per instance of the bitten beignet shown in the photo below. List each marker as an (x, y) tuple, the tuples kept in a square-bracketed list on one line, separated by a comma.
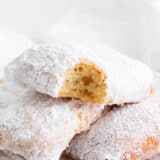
[(97, 75)]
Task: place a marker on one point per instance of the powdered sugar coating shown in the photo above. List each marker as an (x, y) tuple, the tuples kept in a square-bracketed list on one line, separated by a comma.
[(42, 67), (37, 126), (133, 130)]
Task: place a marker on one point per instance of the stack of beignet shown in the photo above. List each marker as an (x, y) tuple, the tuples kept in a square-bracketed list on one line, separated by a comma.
[(53, 92)]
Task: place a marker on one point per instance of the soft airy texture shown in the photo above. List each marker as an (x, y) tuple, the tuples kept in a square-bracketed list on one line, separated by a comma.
[(97, 74), (127, 133), (39, 127)]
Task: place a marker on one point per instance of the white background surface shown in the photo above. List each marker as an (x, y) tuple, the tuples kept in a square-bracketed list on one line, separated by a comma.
[(131, 26)]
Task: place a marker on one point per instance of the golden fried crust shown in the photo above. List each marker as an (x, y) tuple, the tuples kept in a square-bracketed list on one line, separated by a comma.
[(151, 90), (1, 81), (148, 147)]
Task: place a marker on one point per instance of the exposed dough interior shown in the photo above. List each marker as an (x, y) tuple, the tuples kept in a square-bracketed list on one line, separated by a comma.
[(85, 81)]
